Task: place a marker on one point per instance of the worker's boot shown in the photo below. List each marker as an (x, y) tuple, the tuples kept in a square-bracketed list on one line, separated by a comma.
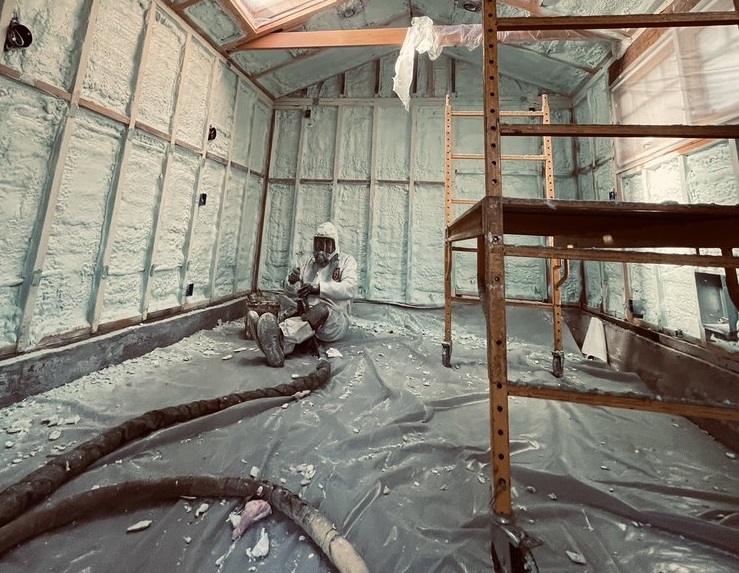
[(252, 318), (269, 337), (316, 316)]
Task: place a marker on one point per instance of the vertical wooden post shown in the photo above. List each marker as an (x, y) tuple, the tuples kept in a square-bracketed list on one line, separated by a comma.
[(111, 213), (6, 14), (411, 202), (216, 251), (40, 243), (298, 176), (244, 210), (734, 150), (194, 206), (494, 265), (659, 291), (337, 158), (372, 193), (153, 241), (269, 158)]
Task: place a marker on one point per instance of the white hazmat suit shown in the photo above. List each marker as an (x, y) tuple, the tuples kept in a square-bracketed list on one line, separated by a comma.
[(338, 286)]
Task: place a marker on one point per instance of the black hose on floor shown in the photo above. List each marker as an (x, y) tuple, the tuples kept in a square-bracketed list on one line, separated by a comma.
[(53, 515), (36, 486)]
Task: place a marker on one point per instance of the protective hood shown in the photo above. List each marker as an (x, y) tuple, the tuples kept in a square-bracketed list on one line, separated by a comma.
[(328, 229)]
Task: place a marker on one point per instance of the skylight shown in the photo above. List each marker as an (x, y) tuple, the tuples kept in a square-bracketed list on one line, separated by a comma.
[(264, 12)]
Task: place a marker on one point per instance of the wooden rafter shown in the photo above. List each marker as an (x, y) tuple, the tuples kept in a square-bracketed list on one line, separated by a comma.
[(368, 37), (550, 29), (310, 52)]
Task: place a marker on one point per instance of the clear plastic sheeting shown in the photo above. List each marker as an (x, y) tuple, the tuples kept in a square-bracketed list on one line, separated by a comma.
[(424, 37), (688, 78), (394, 450)]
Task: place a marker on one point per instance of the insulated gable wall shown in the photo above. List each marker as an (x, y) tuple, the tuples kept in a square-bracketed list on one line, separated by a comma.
[(347, 150), (105, 157)]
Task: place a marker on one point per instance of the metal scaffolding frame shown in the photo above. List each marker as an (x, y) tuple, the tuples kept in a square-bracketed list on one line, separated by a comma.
[(593, 230)]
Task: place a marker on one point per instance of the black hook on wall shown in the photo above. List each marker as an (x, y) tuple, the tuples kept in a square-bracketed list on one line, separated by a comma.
[(17, 36)]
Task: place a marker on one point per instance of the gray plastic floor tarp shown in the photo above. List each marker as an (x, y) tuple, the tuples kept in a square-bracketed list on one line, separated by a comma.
[(400, 448)]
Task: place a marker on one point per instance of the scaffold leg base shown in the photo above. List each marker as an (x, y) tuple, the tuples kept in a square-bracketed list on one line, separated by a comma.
[(558, 363), (510, 550), (446, 353)]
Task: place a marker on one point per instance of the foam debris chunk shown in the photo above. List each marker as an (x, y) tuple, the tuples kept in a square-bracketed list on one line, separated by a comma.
[(333, 353), (576, 557), (201, 509), (139, 526), (261, 549)]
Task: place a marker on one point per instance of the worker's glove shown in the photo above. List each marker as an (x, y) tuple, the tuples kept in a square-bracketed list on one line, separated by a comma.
[(306, 290), (294, 276)]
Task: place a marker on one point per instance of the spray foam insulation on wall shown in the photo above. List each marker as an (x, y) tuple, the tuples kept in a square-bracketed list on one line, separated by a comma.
[(25, 156), (398, 241), (111, 215)]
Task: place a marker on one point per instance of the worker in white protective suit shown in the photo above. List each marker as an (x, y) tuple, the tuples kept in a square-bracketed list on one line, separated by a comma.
[(324, 285)]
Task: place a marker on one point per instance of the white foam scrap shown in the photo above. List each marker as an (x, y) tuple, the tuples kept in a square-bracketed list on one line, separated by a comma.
[(261, 548), (72, 420), (576, 558), (254, 472), (139, 526), (731, 455), (333, 353), (201, 509), (240, 349), (227, 357), (55, 435)]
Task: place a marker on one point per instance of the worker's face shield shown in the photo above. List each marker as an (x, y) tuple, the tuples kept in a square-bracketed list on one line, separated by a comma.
[(323, 248)]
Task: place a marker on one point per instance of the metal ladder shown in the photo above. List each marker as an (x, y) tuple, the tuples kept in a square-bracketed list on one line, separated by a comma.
[(555, 274)]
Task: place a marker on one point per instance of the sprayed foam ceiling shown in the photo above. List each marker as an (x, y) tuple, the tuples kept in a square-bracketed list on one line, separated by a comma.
[(551, 64)]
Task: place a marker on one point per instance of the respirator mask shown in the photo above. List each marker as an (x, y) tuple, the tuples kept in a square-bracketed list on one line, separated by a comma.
[(323, 249)]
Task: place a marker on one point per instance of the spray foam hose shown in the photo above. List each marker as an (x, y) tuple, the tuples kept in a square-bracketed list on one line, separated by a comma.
[(53, 515)]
